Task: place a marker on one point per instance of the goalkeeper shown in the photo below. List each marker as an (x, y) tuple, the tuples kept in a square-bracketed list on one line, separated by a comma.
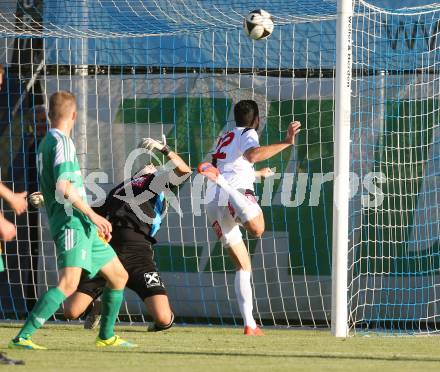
[(135, 223)]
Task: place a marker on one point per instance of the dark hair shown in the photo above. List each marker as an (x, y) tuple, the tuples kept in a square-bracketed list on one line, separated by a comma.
[(245, 113)]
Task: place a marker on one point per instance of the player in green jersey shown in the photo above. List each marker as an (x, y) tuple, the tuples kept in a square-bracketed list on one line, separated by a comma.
[(79, 233)]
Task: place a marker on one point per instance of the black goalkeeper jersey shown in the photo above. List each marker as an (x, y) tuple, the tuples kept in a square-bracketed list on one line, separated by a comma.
[(136, 220)]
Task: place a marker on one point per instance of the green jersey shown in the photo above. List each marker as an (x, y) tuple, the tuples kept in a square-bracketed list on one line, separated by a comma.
[(56, 160)]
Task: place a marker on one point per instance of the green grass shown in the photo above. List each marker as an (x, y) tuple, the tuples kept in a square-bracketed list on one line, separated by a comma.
[(223, 349)]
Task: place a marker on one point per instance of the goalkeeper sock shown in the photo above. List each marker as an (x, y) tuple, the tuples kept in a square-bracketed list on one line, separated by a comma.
[(43, 310), (110, 304), (243, 291), (244, 208)]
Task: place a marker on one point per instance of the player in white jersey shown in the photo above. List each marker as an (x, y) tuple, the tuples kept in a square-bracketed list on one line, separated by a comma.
[(231, 198)]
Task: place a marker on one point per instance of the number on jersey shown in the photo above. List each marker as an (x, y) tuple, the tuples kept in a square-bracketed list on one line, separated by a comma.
[(224, 141)]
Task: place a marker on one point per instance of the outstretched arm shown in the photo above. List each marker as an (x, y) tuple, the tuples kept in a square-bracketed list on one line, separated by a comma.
[(178, 165), (181, 168), (17, 201), (7, 229), (261, 153)]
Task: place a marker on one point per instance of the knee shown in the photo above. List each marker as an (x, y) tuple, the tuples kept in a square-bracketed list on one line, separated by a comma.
[(256, 227), (257, 231), (120, 278), (124, 277), (69, 280), (71, 313), (162, 324), (164, 319), (67, 287)]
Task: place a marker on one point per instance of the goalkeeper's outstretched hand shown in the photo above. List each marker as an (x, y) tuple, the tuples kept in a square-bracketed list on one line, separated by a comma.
[(150, 143)]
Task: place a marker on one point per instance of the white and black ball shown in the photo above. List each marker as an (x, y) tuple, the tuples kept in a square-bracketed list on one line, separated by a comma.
[(258, 24)]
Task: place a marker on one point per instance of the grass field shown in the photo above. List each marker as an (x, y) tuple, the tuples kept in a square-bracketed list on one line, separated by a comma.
[(223, 349)]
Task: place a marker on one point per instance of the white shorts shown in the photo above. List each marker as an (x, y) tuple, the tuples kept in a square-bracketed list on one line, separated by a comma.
[(225, 219)]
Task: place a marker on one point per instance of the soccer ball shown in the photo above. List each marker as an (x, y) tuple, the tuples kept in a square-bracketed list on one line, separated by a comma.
[(258, 24)]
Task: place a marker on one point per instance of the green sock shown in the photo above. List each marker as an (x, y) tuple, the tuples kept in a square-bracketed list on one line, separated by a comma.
[(111, 303), (43, 310)]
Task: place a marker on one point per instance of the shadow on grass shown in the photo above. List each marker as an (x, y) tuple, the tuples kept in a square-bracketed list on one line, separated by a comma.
[(330, 356)]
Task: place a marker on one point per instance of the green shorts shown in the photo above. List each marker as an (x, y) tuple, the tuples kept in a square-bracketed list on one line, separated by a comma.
[(2, 267), (76, 248)]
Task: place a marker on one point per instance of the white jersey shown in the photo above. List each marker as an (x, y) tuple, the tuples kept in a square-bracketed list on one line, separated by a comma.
[(228, 155)]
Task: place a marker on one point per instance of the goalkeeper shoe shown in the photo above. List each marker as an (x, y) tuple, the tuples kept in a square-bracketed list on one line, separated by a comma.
[(248, 331), (113, 341), (93, 318), (208, 170), (24, 343)]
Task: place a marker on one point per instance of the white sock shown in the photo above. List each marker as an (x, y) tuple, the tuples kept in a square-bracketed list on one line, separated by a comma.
[(240, 202), (243, 291)]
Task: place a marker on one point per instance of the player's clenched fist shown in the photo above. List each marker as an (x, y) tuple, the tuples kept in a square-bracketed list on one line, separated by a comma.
[(103, 225), (292, 131), (265, 173), (18, 202)]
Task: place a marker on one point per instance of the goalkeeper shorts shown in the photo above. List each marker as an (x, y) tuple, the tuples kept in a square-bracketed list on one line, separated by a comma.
[(143, 276)]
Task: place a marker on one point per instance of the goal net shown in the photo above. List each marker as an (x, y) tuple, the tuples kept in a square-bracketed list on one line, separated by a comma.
[(143, 69), (394, 248)]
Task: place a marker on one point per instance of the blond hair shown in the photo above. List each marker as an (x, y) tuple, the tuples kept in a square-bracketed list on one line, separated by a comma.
[(61, 104), (2, 70)]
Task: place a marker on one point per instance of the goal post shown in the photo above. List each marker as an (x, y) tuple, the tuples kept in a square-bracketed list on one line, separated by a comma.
[(341, 193)]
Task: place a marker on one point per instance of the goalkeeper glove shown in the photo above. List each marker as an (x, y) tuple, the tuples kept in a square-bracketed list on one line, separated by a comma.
[(150, 144), (36, 199)]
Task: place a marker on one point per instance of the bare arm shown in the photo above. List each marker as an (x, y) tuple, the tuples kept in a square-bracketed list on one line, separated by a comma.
[(7, 229), (64, 187), (17, 201), (261, 153), (181, 168), (5, 193)]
